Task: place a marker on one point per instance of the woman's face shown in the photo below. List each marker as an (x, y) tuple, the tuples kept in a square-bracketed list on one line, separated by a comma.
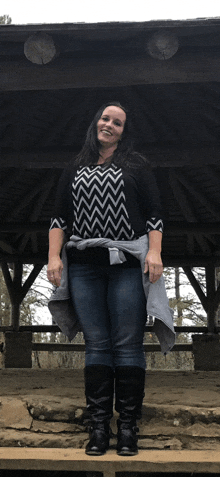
[(110, 126)]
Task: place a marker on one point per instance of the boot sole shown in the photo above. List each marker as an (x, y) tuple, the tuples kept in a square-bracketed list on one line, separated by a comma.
[(95, 453), (127, 453)]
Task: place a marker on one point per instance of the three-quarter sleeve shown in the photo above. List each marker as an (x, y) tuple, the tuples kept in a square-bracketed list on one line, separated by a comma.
[(58, 223), (63, 210), (154, 223), (150, 198)]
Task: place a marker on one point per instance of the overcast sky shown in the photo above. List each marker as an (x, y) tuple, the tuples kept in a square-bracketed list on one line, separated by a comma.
[(92, 11)]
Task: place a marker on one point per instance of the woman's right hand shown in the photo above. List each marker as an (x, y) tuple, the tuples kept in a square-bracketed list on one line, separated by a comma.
[(54, 270)]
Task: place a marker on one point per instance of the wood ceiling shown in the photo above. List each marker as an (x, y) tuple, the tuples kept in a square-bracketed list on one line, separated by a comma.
[(175, 105)]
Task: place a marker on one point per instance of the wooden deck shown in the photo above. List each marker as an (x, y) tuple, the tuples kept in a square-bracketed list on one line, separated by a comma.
[(76, 460)]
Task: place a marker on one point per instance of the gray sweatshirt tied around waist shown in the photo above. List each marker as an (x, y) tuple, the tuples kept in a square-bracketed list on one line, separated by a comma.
[(157, 304)]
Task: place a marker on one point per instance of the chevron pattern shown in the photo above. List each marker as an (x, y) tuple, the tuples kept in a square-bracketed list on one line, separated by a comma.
[(58, 223), (154, 224), (99, 204)]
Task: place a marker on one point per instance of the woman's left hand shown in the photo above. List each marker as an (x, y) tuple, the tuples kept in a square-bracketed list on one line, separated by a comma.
[(153, 265)]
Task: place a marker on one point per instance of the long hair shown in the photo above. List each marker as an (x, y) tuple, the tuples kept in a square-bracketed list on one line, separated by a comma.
[(123, 155)]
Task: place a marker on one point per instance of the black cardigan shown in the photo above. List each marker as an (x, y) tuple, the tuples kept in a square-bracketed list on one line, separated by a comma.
[(141, 193)]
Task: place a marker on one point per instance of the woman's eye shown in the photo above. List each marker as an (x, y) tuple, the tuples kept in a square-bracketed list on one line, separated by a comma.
[(106, 119)]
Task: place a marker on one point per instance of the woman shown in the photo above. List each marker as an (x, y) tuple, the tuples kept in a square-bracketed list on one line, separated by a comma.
[(109, 192)]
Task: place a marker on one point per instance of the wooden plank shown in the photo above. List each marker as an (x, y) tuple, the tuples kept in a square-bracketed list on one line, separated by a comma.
[(149, 461), (149, 348), (56, 329), (76, 73)]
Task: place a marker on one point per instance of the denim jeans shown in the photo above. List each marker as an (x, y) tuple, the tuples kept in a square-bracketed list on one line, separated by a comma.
[(111, 308)]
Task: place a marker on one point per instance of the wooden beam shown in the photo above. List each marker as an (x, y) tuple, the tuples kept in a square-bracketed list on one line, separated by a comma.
[(24, 241), (25, 258), (191, 261), (11, 179), (196, 286), (190, 243), (17, 291), (210, 292), (150, 348), (34, 242), (198, 195), (38, 160), (44, 185), (71, 73), (14, 287), (6, 247), (181, 198), (179, 228), (30, 279), (203, 243), (159, 156), (207, 25), (21, 227), (8, 279), (168, 260), (34, 215), (56, 329)]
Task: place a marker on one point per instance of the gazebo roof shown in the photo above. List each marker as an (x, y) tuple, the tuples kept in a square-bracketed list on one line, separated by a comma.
[(45, 110)]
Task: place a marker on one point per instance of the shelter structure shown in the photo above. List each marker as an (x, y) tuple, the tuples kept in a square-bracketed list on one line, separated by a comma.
[(53, 78)]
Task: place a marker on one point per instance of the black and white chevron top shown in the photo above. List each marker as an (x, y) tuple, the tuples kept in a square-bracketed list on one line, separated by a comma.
[(100, 205), (107, 201)]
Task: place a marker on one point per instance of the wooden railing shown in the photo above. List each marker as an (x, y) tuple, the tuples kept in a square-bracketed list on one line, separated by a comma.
[(148, 347)]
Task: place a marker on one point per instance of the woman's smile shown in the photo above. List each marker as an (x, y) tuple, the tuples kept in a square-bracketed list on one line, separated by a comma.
[(111, 126)]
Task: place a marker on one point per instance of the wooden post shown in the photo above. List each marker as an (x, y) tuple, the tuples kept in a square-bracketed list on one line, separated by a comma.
[(210, 301), (14, 287), (210, 293), (16, 290), (18, 347), (206, 347), (16, 297)]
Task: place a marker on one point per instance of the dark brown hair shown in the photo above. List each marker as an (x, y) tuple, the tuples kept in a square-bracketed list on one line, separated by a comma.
[(124, 155)]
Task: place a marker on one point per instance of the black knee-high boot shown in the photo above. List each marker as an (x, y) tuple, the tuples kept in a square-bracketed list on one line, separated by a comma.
[(99, 389), (129, 389)]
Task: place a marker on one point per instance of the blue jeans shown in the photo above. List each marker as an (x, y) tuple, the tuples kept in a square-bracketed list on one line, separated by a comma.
[(111, 308)]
